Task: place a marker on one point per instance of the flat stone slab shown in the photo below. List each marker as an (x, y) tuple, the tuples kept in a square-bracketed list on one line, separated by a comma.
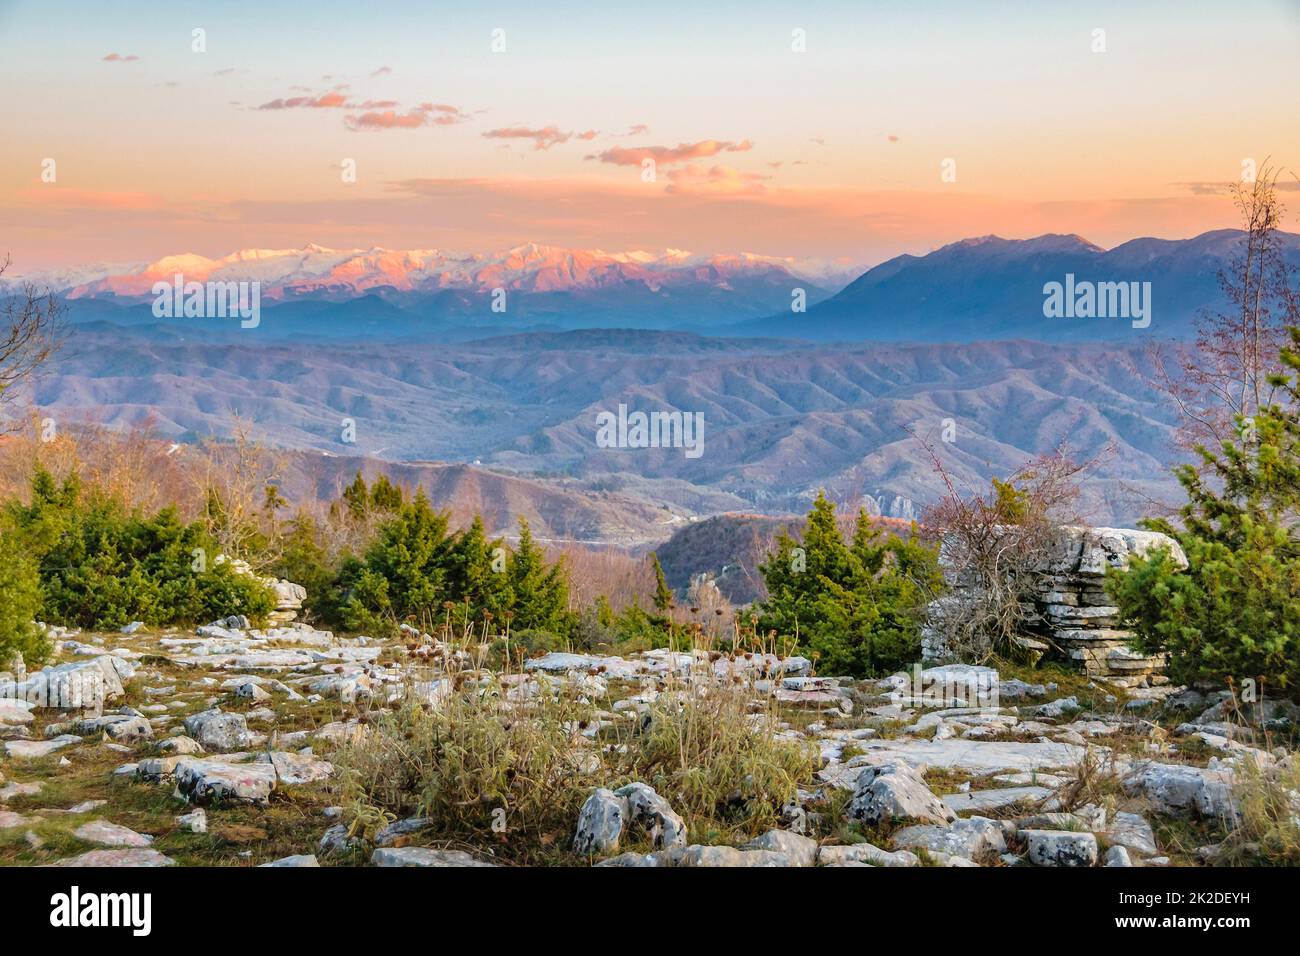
[(970, 756), (976, 800), (118, 858), (294, 769), (202, 780), (34, 749), (305, 860), (9, 819), (110, 834), (423, 856), (14, 712)]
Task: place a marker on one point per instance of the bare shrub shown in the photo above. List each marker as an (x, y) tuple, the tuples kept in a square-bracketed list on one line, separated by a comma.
[(994, 545), (497, 749), (31, 330)]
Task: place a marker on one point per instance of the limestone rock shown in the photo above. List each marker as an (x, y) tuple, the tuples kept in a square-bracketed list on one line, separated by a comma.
[(971, 839), (600, 823), (304, 860), (801, 850), (423, 856), (1178, 788), (1132, 831), (110, 834), (865, 853), (895, 791), (128, 857), (1060, 847), (196, 822), (654, 813), (216, 730), (199, 781), (294, 769)]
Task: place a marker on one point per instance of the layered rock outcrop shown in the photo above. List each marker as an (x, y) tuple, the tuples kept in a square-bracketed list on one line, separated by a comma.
[(1071, 614)]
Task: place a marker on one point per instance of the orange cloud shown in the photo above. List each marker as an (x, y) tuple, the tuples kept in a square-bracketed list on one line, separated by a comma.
[(426, 114), (331, 100), (666, 155), (119, 58), (543, 138)]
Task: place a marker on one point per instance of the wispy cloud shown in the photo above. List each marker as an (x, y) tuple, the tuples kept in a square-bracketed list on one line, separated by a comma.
[(426, 114), (330, 100), (543, 138), (121, 58), (667, 155)]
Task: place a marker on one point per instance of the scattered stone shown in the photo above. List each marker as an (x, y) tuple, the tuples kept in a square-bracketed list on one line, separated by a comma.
[(35, 749), (1178, 788), (1060, 847), (895, 791), (998, 799), (196, 822), (399, 830), (118, 858), (800, 849), (110, 834), (653, 812), (423, 856), (295, 769), (181, 745), (1132, 831), (199, 781), (600, 823), (305, 860), (1117, 856), (216, 730), (865, 853), (974, 838)]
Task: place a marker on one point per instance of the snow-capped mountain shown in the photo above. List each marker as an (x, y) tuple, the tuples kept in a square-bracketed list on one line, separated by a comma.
[(318, 272)]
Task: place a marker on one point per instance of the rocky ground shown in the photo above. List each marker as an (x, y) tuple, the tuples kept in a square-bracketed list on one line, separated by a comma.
[(213, 747)]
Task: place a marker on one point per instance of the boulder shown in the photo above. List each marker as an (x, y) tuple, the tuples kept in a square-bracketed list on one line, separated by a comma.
[(1060, 847), (1133, 832), (216, 730), (730, 856), (800, 850), (294, 769), (974, 839), (653, 812), (896, 791), (200, 781), (865, 853), (1178, 788), (600, 823)]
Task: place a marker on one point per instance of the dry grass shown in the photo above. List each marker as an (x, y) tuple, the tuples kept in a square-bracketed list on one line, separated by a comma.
[(503, 763)]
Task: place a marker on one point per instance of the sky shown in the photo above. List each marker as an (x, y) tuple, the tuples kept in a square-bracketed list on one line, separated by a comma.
[(841, 131)]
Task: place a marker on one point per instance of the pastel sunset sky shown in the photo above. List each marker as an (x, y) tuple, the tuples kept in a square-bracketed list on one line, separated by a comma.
[(836, 152)]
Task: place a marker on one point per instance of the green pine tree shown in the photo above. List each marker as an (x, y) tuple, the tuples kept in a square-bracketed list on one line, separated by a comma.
[(663, 593), (541, 591), (1235, 613)]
